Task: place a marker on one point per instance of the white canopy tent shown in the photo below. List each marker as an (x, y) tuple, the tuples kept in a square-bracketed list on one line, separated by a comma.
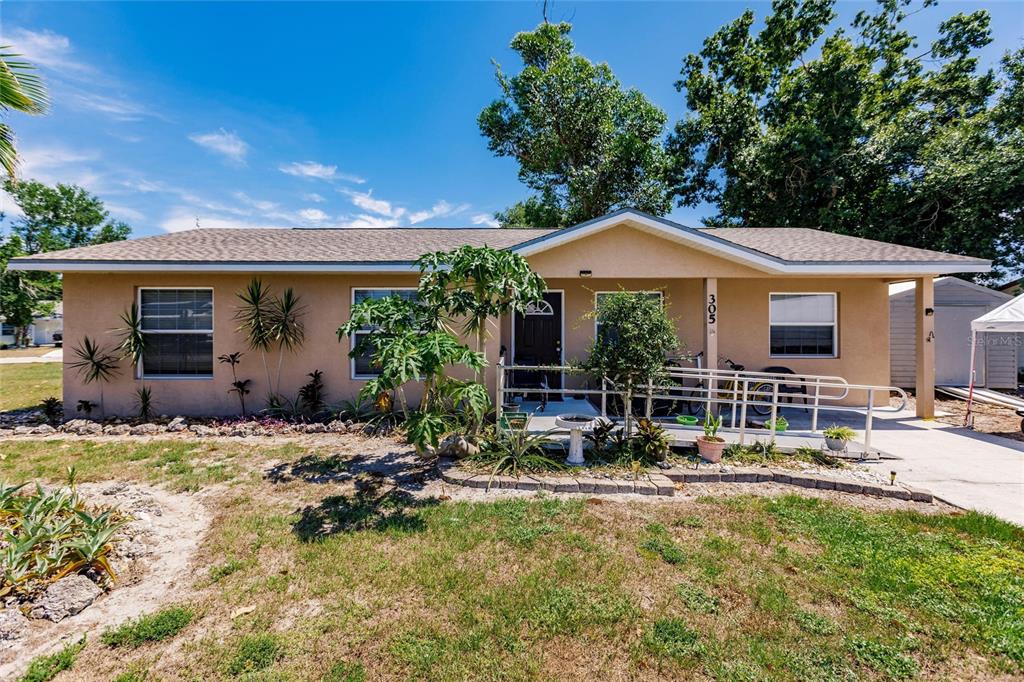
[(1008, 317)]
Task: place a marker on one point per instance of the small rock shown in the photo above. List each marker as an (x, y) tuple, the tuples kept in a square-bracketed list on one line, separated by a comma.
[(202, 430), (315, 427), (177, 425), (147, 429), (43, 430), (242, 611), (457, 447), (66, 597), (12, 624), (82, 427), (337, 426), (23, 430), (115, 488), (117, 430)]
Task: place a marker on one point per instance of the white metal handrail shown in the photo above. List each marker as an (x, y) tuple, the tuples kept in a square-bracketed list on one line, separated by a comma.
[(737, 392)]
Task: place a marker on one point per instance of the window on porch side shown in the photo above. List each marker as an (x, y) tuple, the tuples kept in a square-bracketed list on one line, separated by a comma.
[(802, 325)]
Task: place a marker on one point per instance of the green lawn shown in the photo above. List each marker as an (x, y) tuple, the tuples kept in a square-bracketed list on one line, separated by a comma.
[(26, 385), (330, 582)]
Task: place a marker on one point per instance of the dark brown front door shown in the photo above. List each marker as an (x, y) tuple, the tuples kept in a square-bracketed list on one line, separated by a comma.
[(537, 340)]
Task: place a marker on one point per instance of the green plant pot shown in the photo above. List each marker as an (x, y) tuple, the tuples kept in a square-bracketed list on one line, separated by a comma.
[(686, 420)]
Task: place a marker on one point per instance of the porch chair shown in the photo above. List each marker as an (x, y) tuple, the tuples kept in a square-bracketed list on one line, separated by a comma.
[(789, 391)]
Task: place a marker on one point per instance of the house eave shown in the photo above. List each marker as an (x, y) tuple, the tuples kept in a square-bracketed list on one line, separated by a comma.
[(821, 268), (210, 266)]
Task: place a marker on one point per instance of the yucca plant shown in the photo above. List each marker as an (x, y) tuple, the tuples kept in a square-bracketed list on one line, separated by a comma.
[(271, 322), (94, 364), (133, 341), (144, 402)]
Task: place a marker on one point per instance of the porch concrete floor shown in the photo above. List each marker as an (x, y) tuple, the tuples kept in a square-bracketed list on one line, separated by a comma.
[(963, 467)]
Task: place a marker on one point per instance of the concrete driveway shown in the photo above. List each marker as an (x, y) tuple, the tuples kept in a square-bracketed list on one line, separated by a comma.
[(966, 468)]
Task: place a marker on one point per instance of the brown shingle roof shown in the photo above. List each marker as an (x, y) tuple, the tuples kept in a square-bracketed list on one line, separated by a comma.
[(346, 245), (804, 244)]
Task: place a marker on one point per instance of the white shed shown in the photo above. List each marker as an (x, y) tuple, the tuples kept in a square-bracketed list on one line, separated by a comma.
[(957, 303)]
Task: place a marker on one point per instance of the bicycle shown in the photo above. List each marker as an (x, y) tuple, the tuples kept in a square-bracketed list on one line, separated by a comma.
[(759, 393)]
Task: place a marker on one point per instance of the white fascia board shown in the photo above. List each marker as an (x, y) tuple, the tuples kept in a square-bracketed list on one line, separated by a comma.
[(164, 266)]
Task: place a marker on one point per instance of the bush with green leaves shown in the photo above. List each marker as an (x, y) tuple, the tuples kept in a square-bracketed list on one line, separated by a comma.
[(49, 534), (271, 323), (634, 337), (255, 653)]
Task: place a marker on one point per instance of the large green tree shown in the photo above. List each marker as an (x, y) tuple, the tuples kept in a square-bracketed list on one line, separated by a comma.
[(53, 218), (860, 132), (584, 144)]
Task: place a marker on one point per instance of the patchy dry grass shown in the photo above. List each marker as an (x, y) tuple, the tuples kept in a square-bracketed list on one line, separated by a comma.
[(184, 465), (299, 581), (26, 385)]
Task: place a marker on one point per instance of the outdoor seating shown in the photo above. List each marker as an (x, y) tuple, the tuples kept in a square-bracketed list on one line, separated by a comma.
[(789, 391)]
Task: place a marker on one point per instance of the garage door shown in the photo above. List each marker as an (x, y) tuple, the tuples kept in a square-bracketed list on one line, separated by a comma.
[(953, 345)]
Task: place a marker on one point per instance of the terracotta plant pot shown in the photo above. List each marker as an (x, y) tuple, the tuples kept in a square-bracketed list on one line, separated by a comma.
[(710, 450)]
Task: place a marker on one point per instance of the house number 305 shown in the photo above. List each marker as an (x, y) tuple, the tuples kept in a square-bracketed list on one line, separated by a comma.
[(712, 309)]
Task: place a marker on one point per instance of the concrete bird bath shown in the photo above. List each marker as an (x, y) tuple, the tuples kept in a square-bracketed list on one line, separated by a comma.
[(577, 424)]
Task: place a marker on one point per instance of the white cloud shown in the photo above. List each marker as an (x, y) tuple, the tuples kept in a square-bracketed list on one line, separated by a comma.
[(258, 204), (229, 145), (118, 108), (314, 197), (438, 210), (125, 212), (320, 171), (181, 218), (44, 48), (313, 215), (366, 221), (484, 220), (367, 202)]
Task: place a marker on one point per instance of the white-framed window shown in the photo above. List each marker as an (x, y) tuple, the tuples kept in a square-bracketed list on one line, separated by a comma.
[(600, 296), (178, 325), (362, 365), (803, 325)]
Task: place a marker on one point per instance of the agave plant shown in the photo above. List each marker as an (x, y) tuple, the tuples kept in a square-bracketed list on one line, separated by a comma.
[(48, 535), (512, 451)]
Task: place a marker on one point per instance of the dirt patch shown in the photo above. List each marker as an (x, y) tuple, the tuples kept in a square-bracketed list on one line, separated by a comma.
[(165, 537), (992, 419)]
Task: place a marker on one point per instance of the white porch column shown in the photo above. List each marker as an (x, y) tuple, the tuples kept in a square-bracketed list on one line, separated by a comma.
[(711, 336), (924, 315), (711, 322)]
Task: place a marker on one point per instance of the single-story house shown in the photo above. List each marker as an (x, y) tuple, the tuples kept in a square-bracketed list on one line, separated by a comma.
[(1014, 287), (957, 302), (814, 301), (40, 332)]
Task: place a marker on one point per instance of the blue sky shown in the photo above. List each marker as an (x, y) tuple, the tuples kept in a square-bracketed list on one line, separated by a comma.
[(267, 114)]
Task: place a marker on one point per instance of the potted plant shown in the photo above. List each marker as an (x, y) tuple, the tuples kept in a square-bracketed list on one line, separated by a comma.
[(836, 437), (711, 445), (781, 424)]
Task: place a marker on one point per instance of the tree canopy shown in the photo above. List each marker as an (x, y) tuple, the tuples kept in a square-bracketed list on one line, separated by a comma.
[(584, 145), (859, 132), (61, 217)]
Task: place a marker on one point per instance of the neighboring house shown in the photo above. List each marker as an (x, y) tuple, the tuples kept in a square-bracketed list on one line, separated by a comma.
[(814, 301), (957, 302), (40, 332)]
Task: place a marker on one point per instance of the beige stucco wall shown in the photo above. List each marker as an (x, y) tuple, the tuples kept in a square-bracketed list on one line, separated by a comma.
[(618, 257), (638, 260), (93, 303)]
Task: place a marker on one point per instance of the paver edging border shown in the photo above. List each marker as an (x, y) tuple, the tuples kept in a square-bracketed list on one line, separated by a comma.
[(663, 482)]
